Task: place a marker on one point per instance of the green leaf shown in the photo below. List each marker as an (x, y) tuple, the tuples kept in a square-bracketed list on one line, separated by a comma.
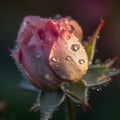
[(49, 101), (90, 47), (98, 75), (76, 91)]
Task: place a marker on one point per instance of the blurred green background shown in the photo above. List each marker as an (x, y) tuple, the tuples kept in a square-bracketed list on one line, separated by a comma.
[(14, 103)]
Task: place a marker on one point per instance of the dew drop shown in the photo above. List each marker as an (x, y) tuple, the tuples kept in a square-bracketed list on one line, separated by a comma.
[(56, 65), (54, 47), (81, 61), (53, 59), (66, 84), (98, 37), (63, 76), (31, 60), (99, 89), (38, 56), (47, 76), (84, 42), (72, 27), (25, 23), (75, 47), (98, 61), (66, 22), (68, 58), (68, 37)]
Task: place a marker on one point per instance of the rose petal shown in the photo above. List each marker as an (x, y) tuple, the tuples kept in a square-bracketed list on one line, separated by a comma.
[(68, 58)]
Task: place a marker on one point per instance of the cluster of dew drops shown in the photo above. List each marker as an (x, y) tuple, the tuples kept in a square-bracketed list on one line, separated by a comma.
[(74, 47)]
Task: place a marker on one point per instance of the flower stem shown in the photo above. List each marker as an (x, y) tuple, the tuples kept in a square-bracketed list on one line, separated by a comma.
[(70, 110)]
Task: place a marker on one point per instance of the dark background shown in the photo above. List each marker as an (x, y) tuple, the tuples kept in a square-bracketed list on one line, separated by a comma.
[(14, 103)]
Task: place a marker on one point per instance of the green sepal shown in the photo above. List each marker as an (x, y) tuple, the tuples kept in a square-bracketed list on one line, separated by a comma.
[(49, 101), (90, 46), (76, 91), (99, 74)]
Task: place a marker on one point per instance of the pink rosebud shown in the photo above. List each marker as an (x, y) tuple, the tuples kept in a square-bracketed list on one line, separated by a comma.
[(49, 51)]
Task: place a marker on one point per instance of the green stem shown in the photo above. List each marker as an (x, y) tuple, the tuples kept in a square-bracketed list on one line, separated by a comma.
[(70, 110)]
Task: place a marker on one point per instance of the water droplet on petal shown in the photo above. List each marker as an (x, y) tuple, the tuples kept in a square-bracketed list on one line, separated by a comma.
[(68, 58), (24, 23), (81, 61), (72, 27), (31, 60), (66, 22), (68, 37), (53, 59), (47, 76), (75, 47), (63, 76), (54, 47), (114, 69), (38, 56)]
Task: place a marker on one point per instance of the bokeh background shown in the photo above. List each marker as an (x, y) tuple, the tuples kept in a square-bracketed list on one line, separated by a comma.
[(14, 103)]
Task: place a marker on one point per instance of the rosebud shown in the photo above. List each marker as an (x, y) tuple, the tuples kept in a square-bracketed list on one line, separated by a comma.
[(49, 51)]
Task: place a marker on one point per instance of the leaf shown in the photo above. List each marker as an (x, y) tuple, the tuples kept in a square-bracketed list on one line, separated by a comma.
[(76, 91), (90, 47), (98, 75), (49, 101)]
